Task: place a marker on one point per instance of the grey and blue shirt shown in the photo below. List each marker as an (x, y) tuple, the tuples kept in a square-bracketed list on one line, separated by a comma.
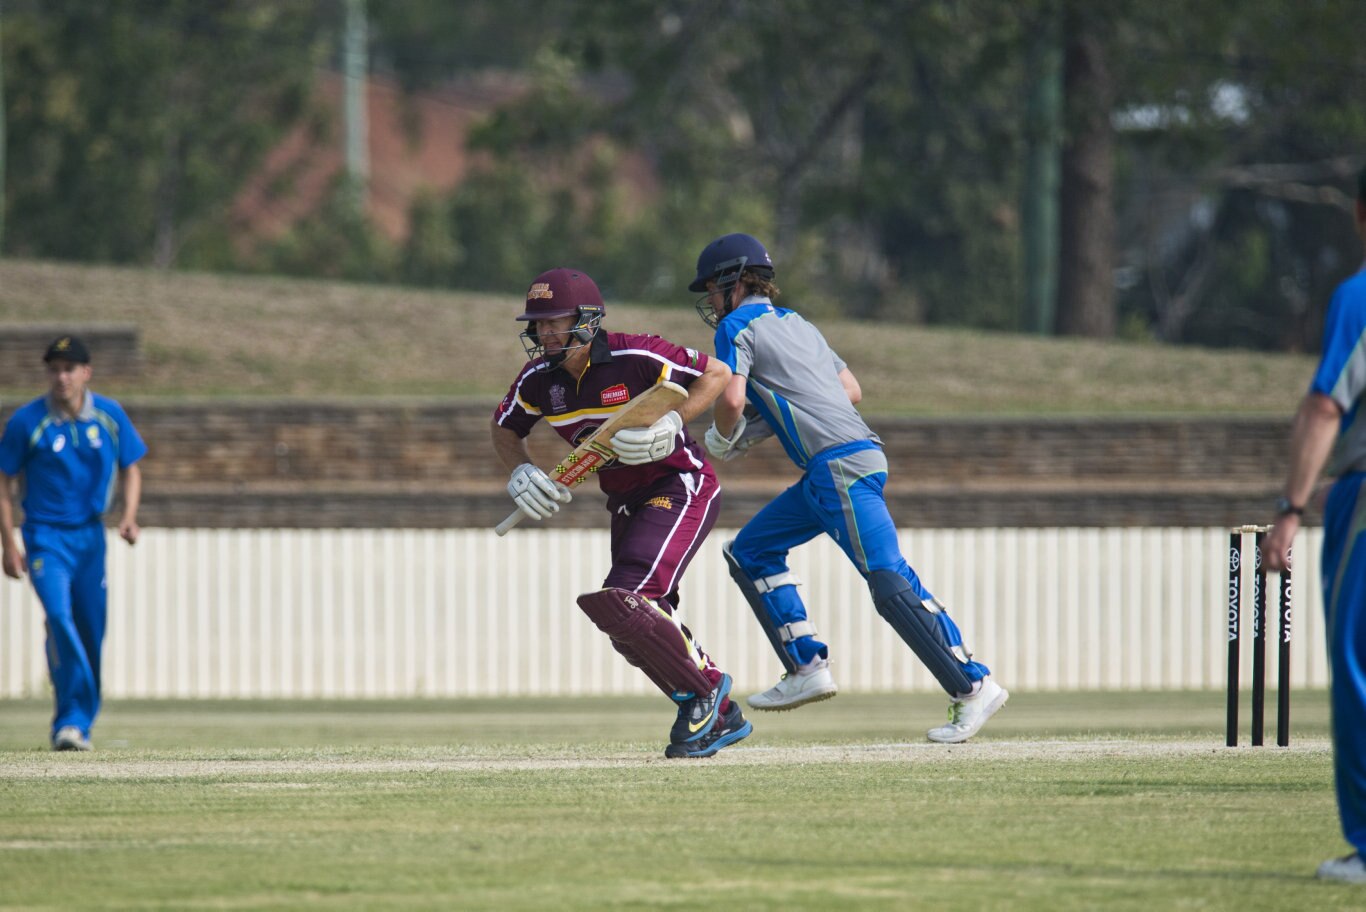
[(793, 378)]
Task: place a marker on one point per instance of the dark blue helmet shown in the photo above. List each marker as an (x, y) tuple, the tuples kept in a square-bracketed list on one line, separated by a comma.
[(725, 258)]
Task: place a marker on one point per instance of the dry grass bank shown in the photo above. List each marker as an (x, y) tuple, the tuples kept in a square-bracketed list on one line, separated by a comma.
[(218, 335)]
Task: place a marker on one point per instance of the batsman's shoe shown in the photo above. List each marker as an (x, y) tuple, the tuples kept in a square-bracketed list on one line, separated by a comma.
[(966, 717), (731, 727), (1348, 869), (70, 738), (810, 684), (697, 713)]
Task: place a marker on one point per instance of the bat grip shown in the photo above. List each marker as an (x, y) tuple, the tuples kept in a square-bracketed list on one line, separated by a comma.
[(504, 527)]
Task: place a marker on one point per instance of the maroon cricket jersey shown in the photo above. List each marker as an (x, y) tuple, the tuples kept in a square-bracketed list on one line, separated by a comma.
[(621, 366)]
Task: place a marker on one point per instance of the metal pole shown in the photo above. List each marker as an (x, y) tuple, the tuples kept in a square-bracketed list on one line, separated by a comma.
[(357, 127), (1043, 171)]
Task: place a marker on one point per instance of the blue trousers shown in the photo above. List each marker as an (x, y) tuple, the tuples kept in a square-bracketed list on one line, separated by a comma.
[(66, 566), (1344, 602), (841, 494)]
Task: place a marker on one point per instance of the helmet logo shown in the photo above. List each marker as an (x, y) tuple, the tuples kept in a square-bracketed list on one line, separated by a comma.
[(541, 290)]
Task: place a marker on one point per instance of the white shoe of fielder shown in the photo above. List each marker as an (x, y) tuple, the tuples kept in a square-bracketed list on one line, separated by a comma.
[(1348, 869), (966, 717), (810, 684), (70, 738)]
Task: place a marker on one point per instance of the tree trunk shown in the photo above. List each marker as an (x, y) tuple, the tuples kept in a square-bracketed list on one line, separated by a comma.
[(1086, 294)]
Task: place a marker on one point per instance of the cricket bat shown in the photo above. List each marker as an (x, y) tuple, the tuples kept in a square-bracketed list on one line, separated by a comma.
[(596, 452)]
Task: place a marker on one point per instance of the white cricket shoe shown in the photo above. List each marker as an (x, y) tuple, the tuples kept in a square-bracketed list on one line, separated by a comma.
[(69, 738), (811, 683), (1348, 869), (966, 717)]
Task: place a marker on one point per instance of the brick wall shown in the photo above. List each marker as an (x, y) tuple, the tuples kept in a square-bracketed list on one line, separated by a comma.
[(429, 464), (114, 350)]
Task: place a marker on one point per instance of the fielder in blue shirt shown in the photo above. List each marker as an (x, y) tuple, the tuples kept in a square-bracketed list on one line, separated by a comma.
[(67, 446), (1330, 429)]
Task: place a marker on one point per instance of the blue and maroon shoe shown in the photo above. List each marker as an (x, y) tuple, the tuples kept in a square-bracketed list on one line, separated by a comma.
[(698, 713), (732, 726)]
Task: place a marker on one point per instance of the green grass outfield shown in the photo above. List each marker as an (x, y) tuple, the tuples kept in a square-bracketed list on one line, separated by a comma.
[(1067, 801)]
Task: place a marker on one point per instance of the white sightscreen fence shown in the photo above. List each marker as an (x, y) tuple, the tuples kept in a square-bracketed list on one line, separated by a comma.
[(355, 613)]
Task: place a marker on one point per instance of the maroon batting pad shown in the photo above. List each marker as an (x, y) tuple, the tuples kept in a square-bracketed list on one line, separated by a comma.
[(647, 638)]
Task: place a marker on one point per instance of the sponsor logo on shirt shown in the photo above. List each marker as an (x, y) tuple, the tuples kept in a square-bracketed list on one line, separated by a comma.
[(616, 395), (92, 434)]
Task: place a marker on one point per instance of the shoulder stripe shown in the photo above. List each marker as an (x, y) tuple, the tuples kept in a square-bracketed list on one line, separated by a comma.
[(517, 394), (38, 431), (673, 365), (1352, 378), (107, 422)]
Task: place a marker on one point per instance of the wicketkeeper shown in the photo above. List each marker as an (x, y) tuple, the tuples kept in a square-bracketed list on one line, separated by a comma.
[(800, 391), (661, 491)]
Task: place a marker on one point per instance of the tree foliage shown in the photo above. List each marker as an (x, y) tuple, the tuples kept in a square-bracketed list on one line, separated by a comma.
[(133, 124), (875, 145)]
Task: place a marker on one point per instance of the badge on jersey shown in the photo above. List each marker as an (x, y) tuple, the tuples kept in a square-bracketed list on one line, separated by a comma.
[(616, 395), (92, 434)]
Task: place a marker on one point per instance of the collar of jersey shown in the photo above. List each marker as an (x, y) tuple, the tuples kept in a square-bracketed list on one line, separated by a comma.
[(87, 412)]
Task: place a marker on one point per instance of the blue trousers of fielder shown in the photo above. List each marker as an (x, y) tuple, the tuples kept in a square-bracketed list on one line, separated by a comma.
[(1344, 602), (851, 510), (66, 566)]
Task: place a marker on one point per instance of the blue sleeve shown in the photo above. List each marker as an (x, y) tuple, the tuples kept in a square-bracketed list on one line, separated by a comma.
[(732, 346), (131, 447), (725, 348), (1342, 370), (14, 446)]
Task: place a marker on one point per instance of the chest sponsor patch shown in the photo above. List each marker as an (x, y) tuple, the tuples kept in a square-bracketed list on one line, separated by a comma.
[(92, 434), (616, 395)]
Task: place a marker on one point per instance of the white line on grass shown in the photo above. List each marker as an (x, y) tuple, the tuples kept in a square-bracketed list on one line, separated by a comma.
[(112, 766)]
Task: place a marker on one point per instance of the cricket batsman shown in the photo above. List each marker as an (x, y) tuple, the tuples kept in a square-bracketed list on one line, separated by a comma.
[(799, 390), (661, 491)]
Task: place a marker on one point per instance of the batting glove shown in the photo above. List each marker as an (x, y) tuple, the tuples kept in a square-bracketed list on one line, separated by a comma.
[(719, 445), (637, 446), (536, 494)]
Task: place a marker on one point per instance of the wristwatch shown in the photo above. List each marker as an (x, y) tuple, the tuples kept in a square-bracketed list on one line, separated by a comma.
[(1284, 508)]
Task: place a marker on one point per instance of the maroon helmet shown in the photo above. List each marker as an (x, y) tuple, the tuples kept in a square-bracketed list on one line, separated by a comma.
[(562, 293)]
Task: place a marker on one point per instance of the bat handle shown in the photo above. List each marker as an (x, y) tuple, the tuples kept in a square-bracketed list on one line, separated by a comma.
[(504, 527)]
